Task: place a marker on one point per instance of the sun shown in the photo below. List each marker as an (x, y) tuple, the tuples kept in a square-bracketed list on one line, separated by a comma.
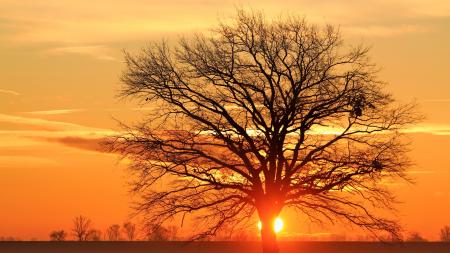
[(277, 225)]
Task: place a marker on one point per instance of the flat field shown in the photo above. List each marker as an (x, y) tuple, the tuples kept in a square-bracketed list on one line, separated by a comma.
[(220, 247)]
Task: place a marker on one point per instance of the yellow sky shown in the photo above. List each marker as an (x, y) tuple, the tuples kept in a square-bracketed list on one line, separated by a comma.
[(59, 68)]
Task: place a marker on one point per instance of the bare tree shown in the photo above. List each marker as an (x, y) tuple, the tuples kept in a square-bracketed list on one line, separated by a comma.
[(445, 234), (172, 233), (130, 230), (94, 235), (257, 116), (113, 232), (9, 239), (156, 233), (388, 238), (415, 237), (81, 227), (58, 235)]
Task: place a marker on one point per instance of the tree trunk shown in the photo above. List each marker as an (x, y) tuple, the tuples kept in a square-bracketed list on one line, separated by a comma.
[(268, 236)]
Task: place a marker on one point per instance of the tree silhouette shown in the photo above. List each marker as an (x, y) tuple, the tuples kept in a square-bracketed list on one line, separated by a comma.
[(113, 232), (130, 230), (157, 232), (415, 237), (445, 234), (258, 116), (94, 235), (81, 227), (58, 235), (172, 232)]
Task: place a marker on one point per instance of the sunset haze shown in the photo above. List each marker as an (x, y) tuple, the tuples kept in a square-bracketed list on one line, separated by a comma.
[(60, 69)]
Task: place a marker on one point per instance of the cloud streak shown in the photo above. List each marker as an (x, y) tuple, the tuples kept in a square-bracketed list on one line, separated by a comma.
[(385, 31), (84, 143), (90, 139), (51, 132), (9, 92), (85, 31), (435, 129), (55, 112), (439, 100), (43, 124), (99, 52)]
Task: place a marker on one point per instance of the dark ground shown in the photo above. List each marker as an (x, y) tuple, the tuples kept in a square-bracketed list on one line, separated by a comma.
[(221, 247)]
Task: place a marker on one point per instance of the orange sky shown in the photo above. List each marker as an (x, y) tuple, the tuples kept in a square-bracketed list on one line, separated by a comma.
[(59, 68)]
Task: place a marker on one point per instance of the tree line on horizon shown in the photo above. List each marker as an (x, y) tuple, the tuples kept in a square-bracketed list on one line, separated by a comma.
[(83, 230)]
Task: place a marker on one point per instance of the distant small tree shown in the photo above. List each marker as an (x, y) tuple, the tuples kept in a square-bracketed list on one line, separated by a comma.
[(58, 235), (386, 238), (9, 239), (130, 230), (81, 227), (445, 234), (243, 236), (172, 233), (94, 235), (416, 237), (156, 232), (113, 232)]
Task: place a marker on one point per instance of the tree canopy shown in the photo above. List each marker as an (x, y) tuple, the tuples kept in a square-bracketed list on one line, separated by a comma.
[(255, 116)]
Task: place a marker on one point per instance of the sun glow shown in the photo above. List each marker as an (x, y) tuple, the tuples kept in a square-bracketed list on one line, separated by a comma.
[(277, 225)]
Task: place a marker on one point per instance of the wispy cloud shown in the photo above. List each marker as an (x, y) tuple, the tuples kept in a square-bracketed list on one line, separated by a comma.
[(438, 100), (47, 125), (10, 92), (435, 129), (73, 24), (84, 143), (50, 131), (99, 52), (385, 31), (55, 112)]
